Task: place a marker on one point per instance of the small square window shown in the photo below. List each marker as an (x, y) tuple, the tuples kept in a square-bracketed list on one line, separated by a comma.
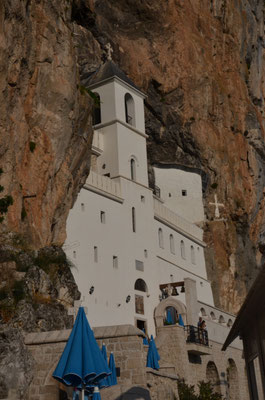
[(102, 217), (115, 262), (184, 192), (139, 265)]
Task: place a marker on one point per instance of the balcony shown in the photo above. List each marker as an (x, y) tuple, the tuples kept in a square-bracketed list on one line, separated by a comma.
[(197, 340), (103, 186), (176, 222)]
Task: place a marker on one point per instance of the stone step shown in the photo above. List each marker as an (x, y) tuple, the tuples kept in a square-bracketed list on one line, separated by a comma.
[(167, 368)]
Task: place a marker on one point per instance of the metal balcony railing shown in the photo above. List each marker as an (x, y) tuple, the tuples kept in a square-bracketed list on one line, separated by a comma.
[(196, 335)]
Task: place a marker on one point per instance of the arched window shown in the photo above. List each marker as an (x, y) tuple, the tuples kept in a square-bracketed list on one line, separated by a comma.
[(129, 109), (182, 249), (160, 238), (133, 220), (221, 320), (96, 109), (172, 244), (140, 285), (192, 252), (212, 315), (133, 169), (229, 323), (213, 377), (203, 312), (232, 380)]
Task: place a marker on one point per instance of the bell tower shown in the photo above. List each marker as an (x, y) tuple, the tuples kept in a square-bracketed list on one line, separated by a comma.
[(119, 119)]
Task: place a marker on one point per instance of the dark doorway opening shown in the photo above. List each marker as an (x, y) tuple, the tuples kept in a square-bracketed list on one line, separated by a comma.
[(141, 324)]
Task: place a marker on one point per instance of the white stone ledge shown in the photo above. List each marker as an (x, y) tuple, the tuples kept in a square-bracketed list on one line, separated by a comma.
[(102, 332), (163, 374)]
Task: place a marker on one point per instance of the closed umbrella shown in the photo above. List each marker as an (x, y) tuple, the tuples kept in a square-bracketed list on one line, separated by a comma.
[(181, 322), (106, 381), (145, 340), (152, 359), (81, 364), (169, 318), (155, 348), (112, 367)]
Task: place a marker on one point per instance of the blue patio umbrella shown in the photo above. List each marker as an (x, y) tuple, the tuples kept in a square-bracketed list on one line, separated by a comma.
[(106, 381), (81, 364), (112, 367), (155, 348), (169, 318), (152, 359), (145, 340), (181, 322)]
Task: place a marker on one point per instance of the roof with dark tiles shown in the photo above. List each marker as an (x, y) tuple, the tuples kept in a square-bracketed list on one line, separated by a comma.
[(107, 71)]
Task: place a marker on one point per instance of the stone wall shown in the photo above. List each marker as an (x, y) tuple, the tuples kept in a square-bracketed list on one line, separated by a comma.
[(125, 341), (178, 360)]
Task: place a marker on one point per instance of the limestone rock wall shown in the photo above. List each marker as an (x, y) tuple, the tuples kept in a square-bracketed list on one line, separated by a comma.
[(45, 128), (201, 64)]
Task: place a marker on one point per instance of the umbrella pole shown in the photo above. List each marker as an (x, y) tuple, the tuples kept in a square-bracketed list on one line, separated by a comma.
[(83, 394)]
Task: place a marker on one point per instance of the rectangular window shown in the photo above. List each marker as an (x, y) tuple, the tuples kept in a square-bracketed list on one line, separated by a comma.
[(115, 262), (184, 192), (102, 217), (139, 304), (95, 254), (139, 265)]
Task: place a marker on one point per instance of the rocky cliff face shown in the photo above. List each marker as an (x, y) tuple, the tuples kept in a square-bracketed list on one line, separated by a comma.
[(201, 64)]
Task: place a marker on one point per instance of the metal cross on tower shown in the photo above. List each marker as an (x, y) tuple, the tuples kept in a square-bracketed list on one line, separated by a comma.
[(109, 50)]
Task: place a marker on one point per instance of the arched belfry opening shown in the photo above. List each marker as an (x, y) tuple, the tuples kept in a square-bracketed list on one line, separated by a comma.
[(96, 109), (129, 109), (170, 303)]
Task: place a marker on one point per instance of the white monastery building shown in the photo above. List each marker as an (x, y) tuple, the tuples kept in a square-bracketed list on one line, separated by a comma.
[(124, 240)]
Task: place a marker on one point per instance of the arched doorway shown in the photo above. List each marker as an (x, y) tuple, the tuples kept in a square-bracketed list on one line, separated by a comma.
[(212, 376), (232, 380)]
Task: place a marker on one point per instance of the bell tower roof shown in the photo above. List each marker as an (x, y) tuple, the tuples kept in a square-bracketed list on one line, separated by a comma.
[(106, 72)]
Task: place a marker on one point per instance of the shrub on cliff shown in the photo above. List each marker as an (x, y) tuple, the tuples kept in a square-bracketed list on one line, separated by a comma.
[(5, 202)]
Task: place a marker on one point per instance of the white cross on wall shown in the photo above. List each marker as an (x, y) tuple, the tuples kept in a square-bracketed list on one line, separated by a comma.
[(217, 205), (109, 50)]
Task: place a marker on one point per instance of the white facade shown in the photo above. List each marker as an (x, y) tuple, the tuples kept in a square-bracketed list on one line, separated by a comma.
[(118, 231), (182, 191)]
